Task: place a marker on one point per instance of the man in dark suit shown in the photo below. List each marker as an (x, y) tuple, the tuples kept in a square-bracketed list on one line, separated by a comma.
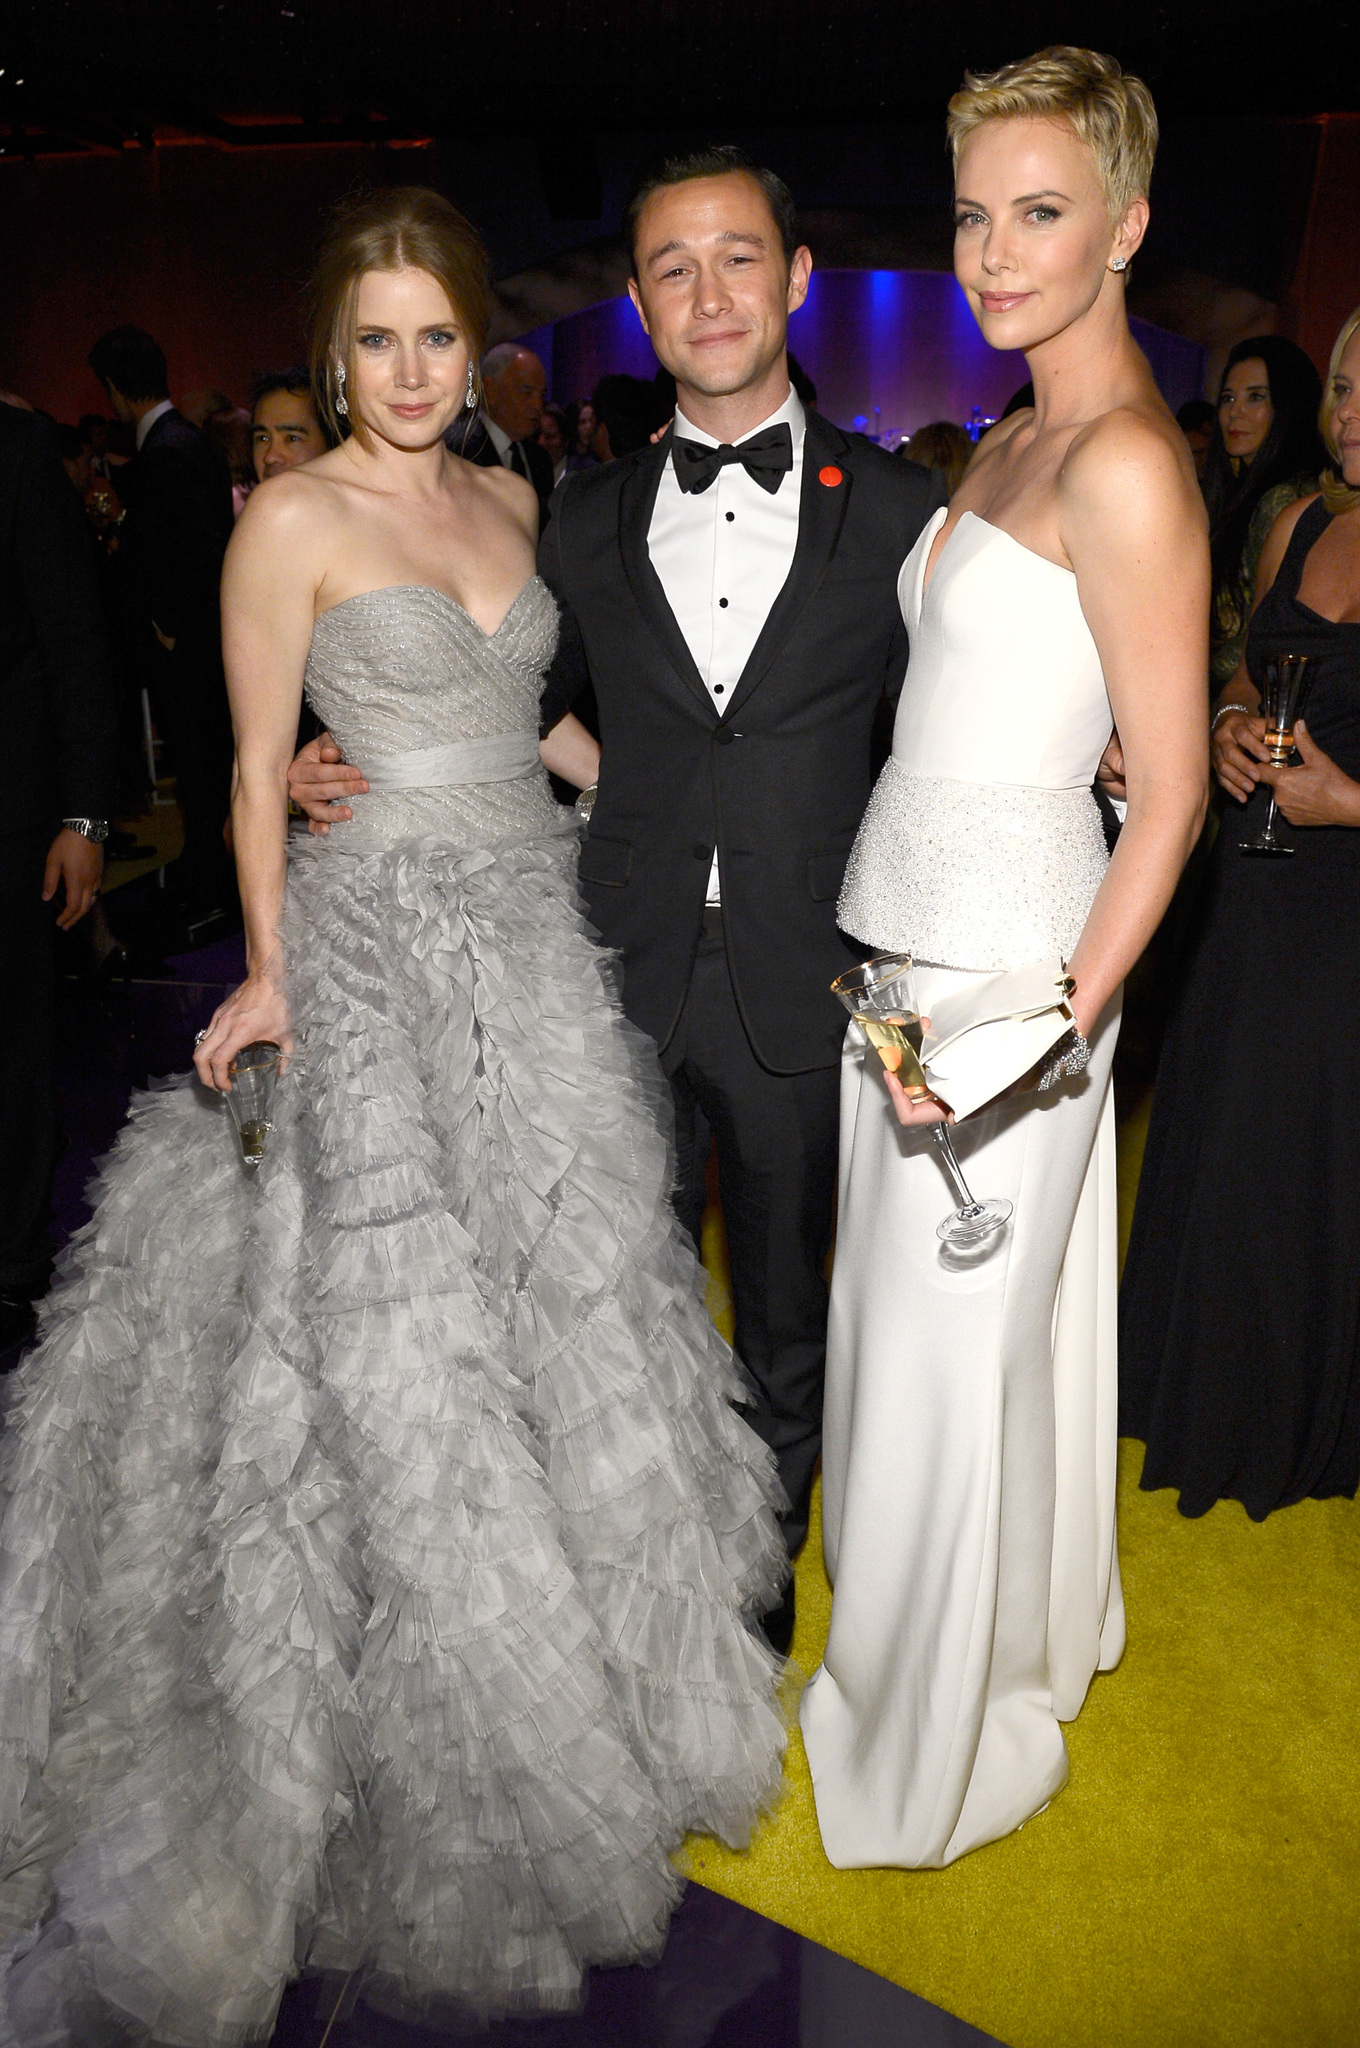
[(177, 491), (58, 712), (504, 430), (731, 594)]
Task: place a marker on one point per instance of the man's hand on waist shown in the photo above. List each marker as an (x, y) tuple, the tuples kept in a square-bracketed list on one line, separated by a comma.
[(319, 782)]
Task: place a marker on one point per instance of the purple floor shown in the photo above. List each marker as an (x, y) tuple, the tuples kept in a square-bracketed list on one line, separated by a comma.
[(729, 1978)]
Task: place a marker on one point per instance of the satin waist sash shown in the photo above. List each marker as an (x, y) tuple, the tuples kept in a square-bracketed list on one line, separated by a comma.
[(503, 758)]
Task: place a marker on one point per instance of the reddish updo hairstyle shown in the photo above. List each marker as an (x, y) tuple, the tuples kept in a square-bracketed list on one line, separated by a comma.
[(407, 228)]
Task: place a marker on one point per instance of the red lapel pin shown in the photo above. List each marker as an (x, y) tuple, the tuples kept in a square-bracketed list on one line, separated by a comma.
[(830, 476)]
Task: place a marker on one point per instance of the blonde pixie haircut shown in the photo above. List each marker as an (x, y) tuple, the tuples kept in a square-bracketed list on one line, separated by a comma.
[(1111, 112), (407, 228), (1337, 494)]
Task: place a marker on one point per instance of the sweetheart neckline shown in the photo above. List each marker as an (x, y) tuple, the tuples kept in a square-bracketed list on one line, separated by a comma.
[(928, 574), (433, 590)]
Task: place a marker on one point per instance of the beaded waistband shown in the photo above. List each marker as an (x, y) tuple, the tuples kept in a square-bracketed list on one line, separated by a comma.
[(978, 876)]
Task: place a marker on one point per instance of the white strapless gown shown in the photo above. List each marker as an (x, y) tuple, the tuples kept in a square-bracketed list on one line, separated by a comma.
[(970, 1430)]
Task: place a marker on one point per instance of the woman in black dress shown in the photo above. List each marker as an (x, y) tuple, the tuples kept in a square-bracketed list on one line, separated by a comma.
[(1264, 453), (1239, 1328)]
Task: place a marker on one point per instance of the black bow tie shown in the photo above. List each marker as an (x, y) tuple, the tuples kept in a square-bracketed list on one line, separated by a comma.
[(767, 459)]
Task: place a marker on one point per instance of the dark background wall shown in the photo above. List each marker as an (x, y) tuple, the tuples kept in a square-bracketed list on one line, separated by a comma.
[(209, 247)]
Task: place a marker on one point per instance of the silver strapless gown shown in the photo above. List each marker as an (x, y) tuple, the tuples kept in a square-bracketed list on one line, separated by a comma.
[(377, 1537)]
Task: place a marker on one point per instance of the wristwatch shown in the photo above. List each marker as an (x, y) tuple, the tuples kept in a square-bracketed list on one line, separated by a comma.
[(95, 829)]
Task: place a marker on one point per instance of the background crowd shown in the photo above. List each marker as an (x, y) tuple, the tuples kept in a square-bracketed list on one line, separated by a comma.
[(1254, 970)]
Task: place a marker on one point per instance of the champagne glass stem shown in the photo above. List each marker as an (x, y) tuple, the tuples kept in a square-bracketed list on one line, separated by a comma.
[(953, 1171), (1269, 832)]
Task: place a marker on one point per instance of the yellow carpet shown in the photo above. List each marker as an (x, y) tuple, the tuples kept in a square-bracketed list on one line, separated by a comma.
[(1197, 1884)]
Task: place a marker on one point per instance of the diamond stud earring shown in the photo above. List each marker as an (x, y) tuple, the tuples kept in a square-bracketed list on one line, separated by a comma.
[(1120, 263)]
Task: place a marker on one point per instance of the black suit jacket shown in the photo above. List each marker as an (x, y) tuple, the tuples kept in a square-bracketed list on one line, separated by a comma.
[(177, 491), (57, 703), (778, 783), (474, 444)]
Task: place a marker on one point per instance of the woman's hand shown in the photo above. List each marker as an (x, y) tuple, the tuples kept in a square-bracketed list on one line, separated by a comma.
[(1237, 751), (1318, 793), (913, 1110), (256, 1010)]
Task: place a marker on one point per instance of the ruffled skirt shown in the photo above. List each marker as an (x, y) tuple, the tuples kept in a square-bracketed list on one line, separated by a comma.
[(378, 1538)]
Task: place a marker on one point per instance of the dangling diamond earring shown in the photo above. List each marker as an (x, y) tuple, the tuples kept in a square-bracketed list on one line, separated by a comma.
[(470, 402), (1120, 263), (341, 402)]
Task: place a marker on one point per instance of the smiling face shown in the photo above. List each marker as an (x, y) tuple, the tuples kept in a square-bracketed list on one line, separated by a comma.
[(1245, 411), (1343, 411), (1033, 241), (713, 286), (410, 358), (284, 431)]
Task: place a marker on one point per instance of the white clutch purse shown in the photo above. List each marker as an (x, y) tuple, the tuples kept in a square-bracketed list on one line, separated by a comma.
[(988, 1035)]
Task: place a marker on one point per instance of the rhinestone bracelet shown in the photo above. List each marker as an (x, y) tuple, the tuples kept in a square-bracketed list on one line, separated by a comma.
[(1068, 1058), (1223, 711)]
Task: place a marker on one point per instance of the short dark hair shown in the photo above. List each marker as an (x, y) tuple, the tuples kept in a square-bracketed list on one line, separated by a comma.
[(297, 381), (1195, 415), (718, 161), (133, 361)]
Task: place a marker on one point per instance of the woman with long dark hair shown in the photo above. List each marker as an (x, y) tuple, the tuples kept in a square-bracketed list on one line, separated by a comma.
[(1265, 453), (1239, 1337)]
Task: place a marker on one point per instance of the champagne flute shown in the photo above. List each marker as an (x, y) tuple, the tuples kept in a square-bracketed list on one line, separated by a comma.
[(252, 1074), (1284, 689), (880, 995)]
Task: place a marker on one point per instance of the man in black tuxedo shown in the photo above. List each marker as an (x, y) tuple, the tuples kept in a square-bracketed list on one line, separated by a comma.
[(58, 712), (505, 429), (731, 594), (177, 491)]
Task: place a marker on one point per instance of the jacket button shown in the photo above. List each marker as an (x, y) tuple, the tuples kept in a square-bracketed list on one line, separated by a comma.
[(702, 852), (724, 736)]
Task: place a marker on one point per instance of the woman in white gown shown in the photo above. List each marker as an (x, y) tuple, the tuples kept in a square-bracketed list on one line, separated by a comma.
[(969, 1451)]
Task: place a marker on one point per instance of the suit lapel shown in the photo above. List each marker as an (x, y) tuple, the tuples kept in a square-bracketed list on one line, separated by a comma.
[(636, 500), (821, 514)]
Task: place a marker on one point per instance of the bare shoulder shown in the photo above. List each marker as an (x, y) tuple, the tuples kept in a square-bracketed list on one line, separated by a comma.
[(1131, 464), (1282, 532), (288, 509), (1278, 539), (285, 536)]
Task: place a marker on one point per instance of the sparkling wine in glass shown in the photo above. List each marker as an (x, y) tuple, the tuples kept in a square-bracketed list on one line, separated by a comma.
[(880, 995), (1284, 688), (252, 1074)]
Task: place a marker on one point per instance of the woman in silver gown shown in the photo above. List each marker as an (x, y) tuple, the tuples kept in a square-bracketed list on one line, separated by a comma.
[(378, 1538)]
